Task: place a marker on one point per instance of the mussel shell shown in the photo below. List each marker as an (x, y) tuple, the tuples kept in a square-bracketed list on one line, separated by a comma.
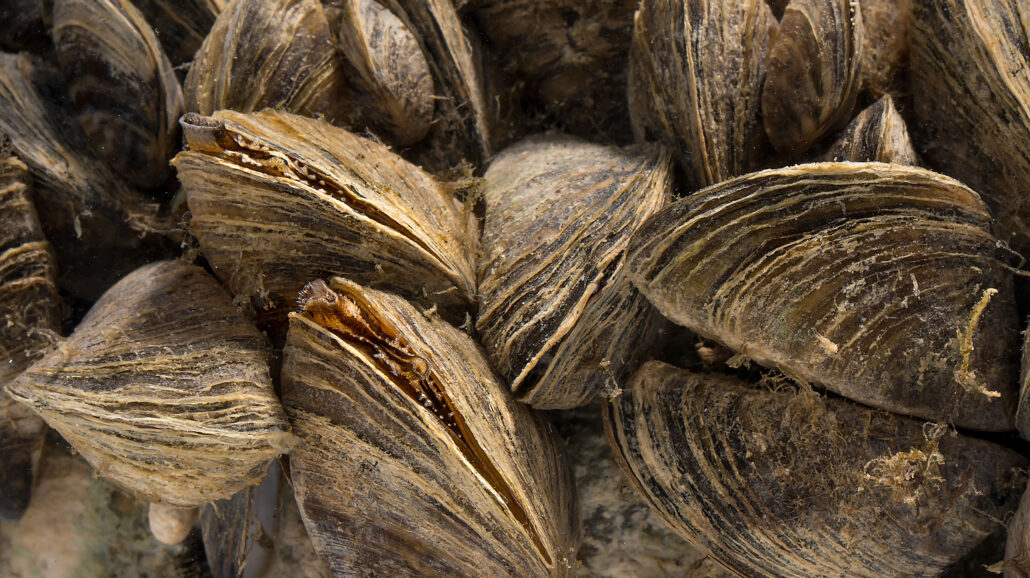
[(279, 199), (1017, 546), (415, 458), (885, 46), (123, 85), (791, 484), (164, 388), (181, 25), (880, 282), (696, 75), (877, 134), (393, 86), (86, 211), (23, 27), (557, 316), (970, 86), (813, 68), (268, 53), (30, 318)]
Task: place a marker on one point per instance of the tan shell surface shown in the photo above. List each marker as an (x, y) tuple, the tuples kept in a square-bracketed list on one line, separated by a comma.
[(880, 282), (278, 200), (414, 458), (164, 388), (791, 484)]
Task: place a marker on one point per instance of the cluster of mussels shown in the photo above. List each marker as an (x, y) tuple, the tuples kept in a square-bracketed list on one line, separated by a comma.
[(366, 241)]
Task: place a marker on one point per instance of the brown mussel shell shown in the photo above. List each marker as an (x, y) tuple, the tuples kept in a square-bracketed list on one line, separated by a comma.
[(880, 282), (87, 213), (269, 54), (181, 25), (392, 84), (970, 81), (877, 134), (278, 198), (415, 459), (123, 85), (164, 388), (696, 75), (813, 68), (30, 321), (791, 484), (557, 317)]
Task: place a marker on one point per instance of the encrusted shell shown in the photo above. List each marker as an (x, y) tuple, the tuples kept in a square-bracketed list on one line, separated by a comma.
[(279, 199), (164, 388), (813, 72), (415, 458), (269, 53), (123, 85), (557, 317), (880, 282), (791, 484), (970, 85), (877, 134), (696, 74)]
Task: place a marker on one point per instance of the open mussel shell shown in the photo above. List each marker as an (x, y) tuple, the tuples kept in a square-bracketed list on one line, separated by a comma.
[(30, 319), (970, 86), (877, 134), (181, 25), (86, 211), (791, 484), (393, 85), (415, 458), (812, 78), (277, 199), (880, 282), (164, 388), (557, 317), (268, 53), (697, 69), (123, 85)]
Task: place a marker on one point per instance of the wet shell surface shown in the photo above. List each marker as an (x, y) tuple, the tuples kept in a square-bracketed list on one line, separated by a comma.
[(268, 53), (164, 388), (781, 483), (557, 316), (123, 85), (877, 134), (813, 72), (181, 25), (697, 69), (278, 200), (880, 282), (415, 458)]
